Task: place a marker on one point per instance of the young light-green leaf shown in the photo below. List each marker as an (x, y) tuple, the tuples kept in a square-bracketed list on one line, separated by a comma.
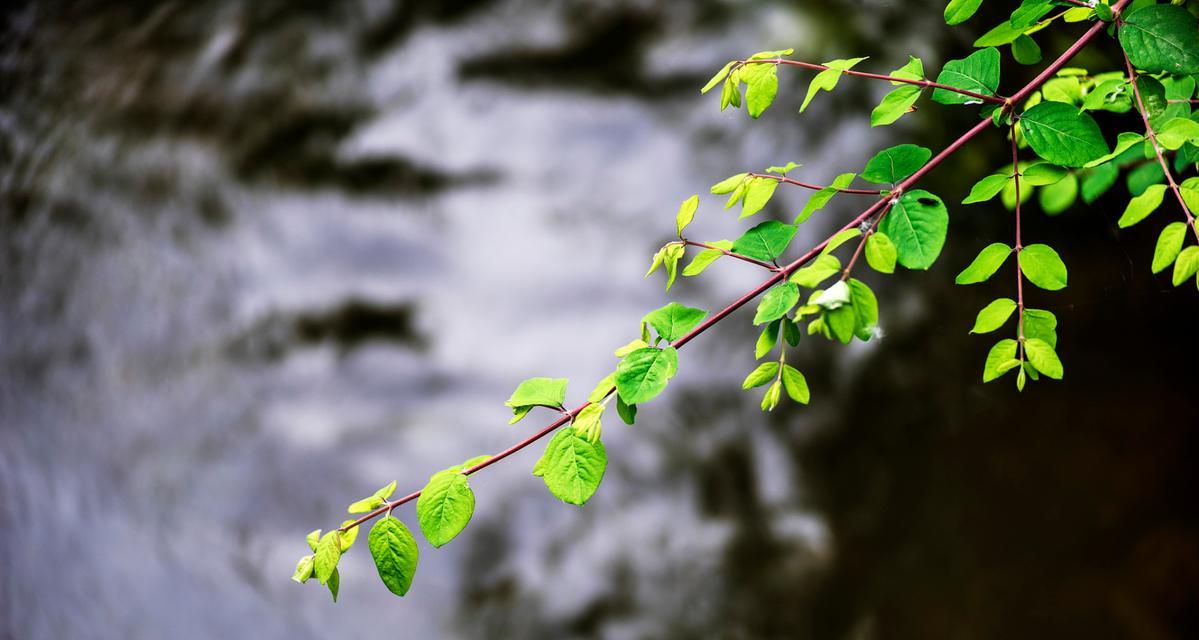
[(821, 198), (892, 165), (880, 252), (827, 79), (865, 309), (328, 552), (959, 11), (644, 373), (894, 105), (994, 315), (795, 384), (1169, 244), (1043, 267), (917, 224), (572, 466), (977, 73), (1000, 359), (1186, 265), (1044, 358), (686, 213), (985, 264), (763, 374), (539, 392), (758, 193), (1141, 206), (1062, 134), (445, 506), (987, 188), (674, 320), (395, 554), (766, 241), (762, 84), (1040, 324), (705, 258), (821, 269), (777, 302)]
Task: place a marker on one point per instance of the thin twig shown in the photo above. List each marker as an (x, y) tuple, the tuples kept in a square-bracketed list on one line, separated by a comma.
[(702, 245), (814, 187), (1019, 246), (875, 76)]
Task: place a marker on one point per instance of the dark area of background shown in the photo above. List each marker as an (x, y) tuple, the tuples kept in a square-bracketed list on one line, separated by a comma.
[(260, 258)]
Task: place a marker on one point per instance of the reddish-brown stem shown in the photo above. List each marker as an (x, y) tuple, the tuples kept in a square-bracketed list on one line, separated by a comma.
[(764, 265), (1019, 246), (1080, 3), (787, 269), (1182, 101), (928, 84), (1157, 149), (815, 187), (857, 253)]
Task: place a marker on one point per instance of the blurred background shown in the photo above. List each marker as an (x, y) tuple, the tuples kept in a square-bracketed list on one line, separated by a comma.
[(259, 259)]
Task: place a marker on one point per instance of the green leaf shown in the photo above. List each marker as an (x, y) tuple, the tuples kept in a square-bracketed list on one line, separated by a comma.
[(366, 504), (572, 466), (827, 80), (757, 195), (1040, 324), (686, 213), (627, 412), (777, 302), (328, 552), (985, 264), (729, 184), (1169, 244), (821, 269), (892, 165), (536, 392), (894, 105), (395, 554), (1161, 38), (821, 198), (1000, 360), (1043, 267), (987, 188), (766, 241), (334, 584), (790, 332), (959, 11), (445, 506), (917, 224), (841, 321), (1124, 142), (843, 236), (994, 315), (313, 538), (1026, 50), (1043, 357), (346, 538), (765, 372), (604, 386), (782, 171), (1059, 196), (1029, 12), (643, 374), (719, 77), (705, 258), (762, 84), (385, 492), (1177, 132), (1062, 134), (674, 320), (767, 339), (1003, 33), (978, 72), (912, 70), (1186, 265), (1141, 206), (1043, 173), (795, 384), (880, 252), (865, 309), (303, 570)]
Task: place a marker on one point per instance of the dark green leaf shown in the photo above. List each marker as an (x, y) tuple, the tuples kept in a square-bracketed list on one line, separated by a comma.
[(892, 165), (766, 241), (978, 73), (643, 374), (395, 554), (1161, 38), (1062, 134), (917, 224)]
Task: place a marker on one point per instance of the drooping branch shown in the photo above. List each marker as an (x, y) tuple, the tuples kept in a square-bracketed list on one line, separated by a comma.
[(878, 208), (1157, 148)]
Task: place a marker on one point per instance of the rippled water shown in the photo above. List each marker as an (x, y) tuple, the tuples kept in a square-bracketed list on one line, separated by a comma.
[(261, 259)]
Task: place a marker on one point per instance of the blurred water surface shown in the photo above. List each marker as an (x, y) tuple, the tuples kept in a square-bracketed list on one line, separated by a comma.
[(261, 258)]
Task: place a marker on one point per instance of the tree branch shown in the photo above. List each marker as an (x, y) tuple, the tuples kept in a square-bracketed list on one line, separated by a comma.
[(814, 187), (875, 76), (786, 270), (764, 265)]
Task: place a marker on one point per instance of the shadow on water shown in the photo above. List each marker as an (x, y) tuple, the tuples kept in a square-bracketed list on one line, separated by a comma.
[(261, 258)]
